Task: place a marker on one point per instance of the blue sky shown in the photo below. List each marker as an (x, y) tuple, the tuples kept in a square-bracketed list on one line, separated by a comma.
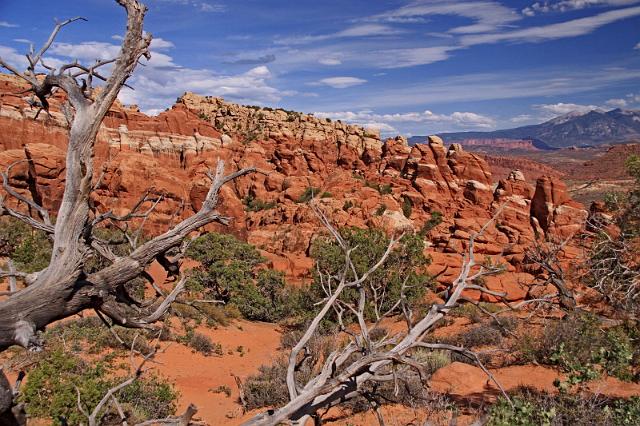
[(410, 67)]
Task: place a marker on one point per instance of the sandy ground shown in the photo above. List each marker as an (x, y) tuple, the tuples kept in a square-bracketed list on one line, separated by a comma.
[(196, 375)]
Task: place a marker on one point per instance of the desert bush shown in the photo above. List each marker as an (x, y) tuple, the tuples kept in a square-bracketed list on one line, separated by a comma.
[(580, 347), (308, 194), (267, 388), (347, 205), (229, 273), (203, 344), (90, 334), (432, 222), (404, 264), (50, 390), (407, 207), (29, 249), (532, 409), (612, 267), (479, 335), (253, 204), (432, 360)]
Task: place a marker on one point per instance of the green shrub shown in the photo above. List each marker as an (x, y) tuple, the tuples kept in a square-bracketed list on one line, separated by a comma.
[(407, 207), (203, 344), (404, 264), (385, 189), (267, 388), (252, 204), (580, 347), (229, 273), (531, 408), (50, 390), (381, 209), (29, 249), (90, 334), (308, 194), (435, 220), (347, 205)]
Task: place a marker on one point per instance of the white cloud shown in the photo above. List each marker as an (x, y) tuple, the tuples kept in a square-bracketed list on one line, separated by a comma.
[(385, 122), (522, 118), (401, 58), (5, 24), (633, 98), (161, 44), (202, 6), (487, 15), (211, 7), (330, 61), (616, 103), (161, 80), (573, 28), (22, 40), (568, 5), (564, 108), (637, 46), (87, 51), (357, 31), (340, 82)]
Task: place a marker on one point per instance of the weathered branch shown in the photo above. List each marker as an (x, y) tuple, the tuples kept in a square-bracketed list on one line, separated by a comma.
[(329, 387)]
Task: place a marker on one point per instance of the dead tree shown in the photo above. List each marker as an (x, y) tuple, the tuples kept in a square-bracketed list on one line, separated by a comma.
[(65, 287), (546, 256), (362, 359)]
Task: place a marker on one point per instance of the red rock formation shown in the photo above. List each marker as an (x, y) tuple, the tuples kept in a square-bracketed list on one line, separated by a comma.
[(361, 181)]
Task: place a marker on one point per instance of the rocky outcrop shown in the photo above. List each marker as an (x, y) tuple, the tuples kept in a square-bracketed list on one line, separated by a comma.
[(554, 210), (357, 180), (255, 123)]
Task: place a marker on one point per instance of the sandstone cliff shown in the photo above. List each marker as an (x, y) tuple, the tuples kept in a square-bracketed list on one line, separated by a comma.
[(358, 180)]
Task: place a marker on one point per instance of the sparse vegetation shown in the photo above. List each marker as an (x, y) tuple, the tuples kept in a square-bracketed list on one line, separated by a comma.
[(203, 344), (29, 249), (229, 274), (403, 266), (50, 390), (581, 348), (253, 204), (308, 194), (432, 222), (347, 205), (531, 408), (407, 207)]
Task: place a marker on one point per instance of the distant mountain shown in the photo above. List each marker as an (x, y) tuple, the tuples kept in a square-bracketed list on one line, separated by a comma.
[(590, 128)]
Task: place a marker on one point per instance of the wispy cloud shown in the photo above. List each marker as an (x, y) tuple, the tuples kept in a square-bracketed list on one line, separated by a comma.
[(357, 31), (340, 82), (497, 86), (572, 28), (200, 5), (523, 118), (487, 15), (540, 7), (5, 24), (330, 61), (260, 60), (637, 46)]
